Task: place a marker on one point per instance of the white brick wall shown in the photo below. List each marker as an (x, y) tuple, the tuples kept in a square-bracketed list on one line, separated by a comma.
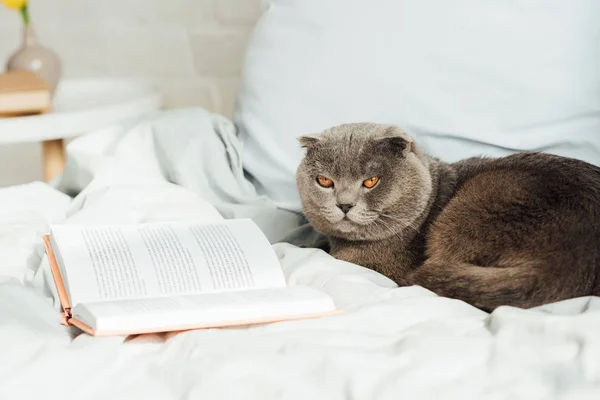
[(191, 49)]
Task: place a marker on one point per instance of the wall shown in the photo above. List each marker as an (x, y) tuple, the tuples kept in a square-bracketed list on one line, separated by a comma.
[(191, 49)]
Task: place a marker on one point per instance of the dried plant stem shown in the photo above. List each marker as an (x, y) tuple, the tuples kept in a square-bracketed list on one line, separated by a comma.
[(25, 14)]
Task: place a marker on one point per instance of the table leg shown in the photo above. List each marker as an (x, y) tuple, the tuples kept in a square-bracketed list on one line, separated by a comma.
[(54, 158)]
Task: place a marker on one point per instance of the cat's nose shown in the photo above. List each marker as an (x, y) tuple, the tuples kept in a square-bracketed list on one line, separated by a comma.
[(345, 207)]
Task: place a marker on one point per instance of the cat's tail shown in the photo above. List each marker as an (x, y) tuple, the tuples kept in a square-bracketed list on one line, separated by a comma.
[(486, 288)]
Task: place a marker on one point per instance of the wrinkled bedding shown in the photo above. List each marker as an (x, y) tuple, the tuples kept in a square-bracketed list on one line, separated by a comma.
[(390, 343)]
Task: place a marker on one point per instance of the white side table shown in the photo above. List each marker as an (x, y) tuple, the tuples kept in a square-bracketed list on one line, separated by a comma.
[(79, 106)]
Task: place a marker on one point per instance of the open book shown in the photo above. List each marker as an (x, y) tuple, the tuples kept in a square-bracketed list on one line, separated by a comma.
[(159, 277)]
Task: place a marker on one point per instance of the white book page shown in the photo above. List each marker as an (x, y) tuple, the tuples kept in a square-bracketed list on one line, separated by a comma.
[(104, 263), (205, 309)]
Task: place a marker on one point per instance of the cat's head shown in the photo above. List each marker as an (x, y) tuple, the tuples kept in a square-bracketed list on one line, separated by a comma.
[(363, 181)]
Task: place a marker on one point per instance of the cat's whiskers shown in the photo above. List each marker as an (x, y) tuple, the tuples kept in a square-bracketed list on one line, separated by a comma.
[(390, 217), (389, 231), (364, 218), (331, 215), (387, 228)]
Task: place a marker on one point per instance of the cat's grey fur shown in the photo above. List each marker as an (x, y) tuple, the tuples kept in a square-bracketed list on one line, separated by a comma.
[(523, 230)]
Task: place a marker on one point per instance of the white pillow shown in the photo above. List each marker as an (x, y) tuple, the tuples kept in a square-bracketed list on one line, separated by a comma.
[(465, 77)]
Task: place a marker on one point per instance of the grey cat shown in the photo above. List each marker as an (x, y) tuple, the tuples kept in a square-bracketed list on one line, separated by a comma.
[(522, 230)]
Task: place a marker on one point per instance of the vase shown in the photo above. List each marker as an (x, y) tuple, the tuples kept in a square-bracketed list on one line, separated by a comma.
[(36, 58)]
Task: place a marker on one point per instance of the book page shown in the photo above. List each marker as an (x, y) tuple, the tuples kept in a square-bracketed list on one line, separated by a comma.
[(161, 314), (104, 263)]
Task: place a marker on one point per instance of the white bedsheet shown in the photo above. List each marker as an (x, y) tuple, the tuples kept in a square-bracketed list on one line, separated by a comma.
[(391, 343)]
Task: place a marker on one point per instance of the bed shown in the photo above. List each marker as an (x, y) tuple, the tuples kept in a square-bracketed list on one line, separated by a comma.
[(391, 342)]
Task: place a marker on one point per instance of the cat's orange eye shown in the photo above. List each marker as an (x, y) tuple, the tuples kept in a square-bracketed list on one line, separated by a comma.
[(371, 182), (324, 181)]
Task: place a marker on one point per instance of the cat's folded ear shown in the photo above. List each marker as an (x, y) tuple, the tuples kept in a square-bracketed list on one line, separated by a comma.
[(309, 141), (397, 140)]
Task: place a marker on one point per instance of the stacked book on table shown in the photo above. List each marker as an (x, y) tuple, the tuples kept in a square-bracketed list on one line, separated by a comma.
[(23, 93)]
